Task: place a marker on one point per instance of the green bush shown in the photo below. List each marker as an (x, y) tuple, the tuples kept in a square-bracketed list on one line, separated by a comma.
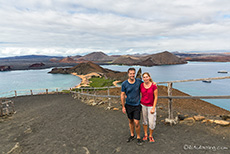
[(100, 82)]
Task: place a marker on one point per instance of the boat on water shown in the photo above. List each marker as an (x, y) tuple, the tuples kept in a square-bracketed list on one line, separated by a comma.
[(207, 81), (222, 71)]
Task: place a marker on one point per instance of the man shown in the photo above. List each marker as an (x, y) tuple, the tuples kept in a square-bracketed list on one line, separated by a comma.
[(131, 105)]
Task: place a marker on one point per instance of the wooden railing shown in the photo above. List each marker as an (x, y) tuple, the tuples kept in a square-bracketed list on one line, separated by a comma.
[(170, 97), (85, 92), (79, 92), (6, 107), (24, 92)]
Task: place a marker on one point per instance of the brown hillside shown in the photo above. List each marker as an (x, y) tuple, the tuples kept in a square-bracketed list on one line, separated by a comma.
[(76, 57), (89, 67), (209, 58), (55, 60), (164, 58), (127, 60), (86, 68), (96, 56), (67, 60)]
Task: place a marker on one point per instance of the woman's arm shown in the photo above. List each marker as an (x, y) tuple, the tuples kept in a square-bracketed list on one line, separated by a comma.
[(155, 101)]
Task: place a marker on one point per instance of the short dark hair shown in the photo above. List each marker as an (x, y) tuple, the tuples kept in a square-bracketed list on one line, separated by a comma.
[(131, 69)]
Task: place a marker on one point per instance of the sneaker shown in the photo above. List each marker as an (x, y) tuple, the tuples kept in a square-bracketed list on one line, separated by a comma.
[(139, 142), (131, 138)]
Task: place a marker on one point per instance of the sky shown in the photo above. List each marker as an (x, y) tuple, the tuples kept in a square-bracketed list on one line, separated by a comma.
[(77, 27)]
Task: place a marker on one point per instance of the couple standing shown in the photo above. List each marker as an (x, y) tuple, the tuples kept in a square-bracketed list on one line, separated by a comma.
[(133, 105)]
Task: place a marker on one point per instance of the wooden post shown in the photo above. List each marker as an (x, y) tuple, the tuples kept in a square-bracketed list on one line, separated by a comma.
[(170, 112), (31, 92), (109, 98), (1, 108), (46, 91), (15, 92), (12, 103), (94, 97)]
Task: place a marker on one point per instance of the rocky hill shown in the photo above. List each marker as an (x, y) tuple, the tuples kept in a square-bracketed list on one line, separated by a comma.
[(126, 60), (76, 57), (209, 59), (97, 57), (205, 57), (89, 67), (67, 60), (164, 58)]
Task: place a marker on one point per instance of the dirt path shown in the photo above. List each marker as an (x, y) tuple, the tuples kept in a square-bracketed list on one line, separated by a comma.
[(60, 124)]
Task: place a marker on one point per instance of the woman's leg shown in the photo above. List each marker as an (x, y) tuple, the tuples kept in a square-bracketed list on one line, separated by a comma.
[(152, 122), (151, 132), (145, 129), (145, 119)]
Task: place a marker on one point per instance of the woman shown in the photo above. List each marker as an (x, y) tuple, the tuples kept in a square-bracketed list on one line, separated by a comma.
[(149, 97)]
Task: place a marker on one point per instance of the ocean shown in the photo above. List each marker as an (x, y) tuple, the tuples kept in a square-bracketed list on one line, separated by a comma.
[(192, 70), (38, 79)]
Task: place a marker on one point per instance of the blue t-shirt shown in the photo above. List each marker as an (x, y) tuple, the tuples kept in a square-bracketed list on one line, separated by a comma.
[(132, 92)]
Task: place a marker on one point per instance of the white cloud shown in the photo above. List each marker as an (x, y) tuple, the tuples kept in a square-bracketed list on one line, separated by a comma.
[(65, 27)]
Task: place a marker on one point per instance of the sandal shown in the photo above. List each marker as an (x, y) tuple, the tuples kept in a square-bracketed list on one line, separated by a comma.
[(151, 140), (145, 138)]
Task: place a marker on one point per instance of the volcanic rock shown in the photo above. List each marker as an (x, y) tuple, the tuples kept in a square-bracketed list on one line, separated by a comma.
[(89, 67), (163, 58), (67, 60)]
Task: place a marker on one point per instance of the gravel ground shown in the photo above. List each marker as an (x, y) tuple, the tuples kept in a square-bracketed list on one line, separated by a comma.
[(59, 124)]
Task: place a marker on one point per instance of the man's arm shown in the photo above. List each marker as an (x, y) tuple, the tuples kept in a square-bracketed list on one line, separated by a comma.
[(123, 102)]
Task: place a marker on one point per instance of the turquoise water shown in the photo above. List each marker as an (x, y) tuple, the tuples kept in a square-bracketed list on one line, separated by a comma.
[(192, 70), (35, 79)]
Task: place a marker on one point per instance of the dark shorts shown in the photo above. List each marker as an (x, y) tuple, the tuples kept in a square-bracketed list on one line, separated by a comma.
[(133, 112)]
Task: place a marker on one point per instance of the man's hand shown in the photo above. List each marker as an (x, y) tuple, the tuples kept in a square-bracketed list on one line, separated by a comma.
[(124, 110)]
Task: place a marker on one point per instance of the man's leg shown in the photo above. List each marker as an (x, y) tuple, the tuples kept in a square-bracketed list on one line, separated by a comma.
[(131, 127), (137, 128)]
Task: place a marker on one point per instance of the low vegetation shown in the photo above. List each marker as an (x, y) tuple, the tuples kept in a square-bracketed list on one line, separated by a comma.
[(100, 82)]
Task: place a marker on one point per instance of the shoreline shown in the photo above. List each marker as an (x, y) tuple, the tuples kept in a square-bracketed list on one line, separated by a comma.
[(85, 79), (176, 92)]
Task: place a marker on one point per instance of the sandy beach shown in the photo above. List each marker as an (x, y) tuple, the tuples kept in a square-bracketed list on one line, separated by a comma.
[(85, 79)]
